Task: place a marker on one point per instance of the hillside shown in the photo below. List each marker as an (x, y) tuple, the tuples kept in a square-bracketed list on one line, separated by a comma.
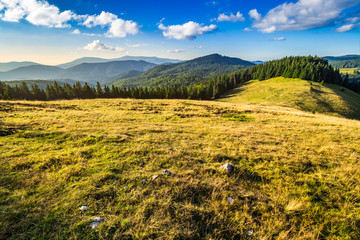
[(186, 73), (296, 93), (355, 63), (296, 173)]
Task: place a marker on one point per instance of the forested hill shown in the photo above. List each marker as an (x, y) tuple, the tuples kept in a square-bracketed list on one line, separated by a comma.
[(185, 73), (306, 68), (354, 63)]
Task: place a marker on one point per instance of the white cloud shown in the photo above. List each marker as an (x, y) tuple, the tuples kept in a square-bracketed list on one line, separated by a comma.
[(76, 32), (120, 28), (230, 18), (105, 18), (176, 51), (187, 31), (248, 29), (279, 39), (36, 12), (96, 45), (255, 15), (346, 28), (302, 15), (199, 47), (41, 13)]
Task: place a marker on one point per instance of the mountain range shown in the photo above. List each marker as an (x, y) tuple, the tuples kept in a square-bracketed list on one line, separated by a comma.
[(154, 60), (89, 72), (185, 73)]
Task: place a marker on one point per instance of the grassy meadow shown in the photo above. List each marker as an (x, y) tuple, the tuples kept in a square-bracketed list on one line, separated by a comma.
[(296, 173), (300, 94)]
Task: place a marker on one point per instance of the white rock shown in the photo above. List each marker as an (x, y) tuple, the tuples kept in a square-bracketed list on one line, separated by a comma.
[(155, 177), (94, 224), (230, 200), (143, 181), (250, 232), (228, 167), (84, 208)]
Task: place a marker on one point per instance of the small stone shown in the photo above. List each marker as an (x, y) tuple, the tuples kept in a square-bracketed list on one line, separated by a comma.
[(167, 172), (143, 181), (230, 200), (154, 177), (94, 225), (126, 187), (84, 208), (228, 167), (250, 232), (66, 186)]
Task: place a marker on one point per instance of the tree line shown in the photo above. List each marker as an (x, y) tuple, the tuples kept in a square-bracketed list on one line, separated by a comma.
[(306, 68)]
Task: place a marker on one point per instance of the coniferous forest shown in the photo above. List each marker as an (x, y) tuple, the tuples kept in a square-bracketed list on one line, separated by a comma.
[(307, 68)]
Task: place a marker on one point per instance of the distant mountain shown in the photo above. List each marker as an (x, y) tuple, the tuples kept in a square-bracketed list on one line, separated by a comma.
[(342, 58), (101, 72), (4, 67), (31, 73), (186, 73), (89, 72), (154, 60)]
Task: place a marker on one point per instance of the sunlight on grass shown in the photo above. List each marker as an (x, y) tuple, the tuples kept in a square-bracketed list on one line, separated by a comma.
[(296, 174)]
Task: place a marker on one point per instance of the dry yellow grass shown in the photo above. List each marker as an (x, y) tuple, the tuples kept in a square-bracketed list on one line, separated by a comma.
[(296, 173)]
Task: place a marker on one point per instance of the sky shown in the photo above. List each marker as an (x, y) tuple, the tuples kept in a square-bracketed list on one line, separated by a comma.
[(58, 31)]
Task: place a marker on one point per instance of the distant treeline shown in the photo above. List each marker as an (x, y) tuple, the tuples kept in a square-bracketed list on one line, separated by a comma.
[(306, 68)]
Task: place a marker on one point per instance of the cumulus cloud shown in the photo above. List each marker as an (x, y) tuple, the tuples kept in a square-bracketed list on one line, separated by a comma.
[(255, 15), (76, 32), (187, 31), (120, 28), (302, 15), (41, 13), (98, 46), (36, 12), (105, 18), (248, 29), (279, 39), (176, 51), (230, 18)]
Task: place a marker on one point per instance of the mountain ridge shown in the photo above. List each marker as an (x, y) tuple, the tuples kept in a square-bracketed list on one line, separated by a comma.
[(186, 73)]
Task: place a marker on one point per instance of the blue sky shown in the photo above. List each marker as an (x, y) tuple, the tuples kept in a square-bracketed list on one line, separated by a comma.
[(57, 31)]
